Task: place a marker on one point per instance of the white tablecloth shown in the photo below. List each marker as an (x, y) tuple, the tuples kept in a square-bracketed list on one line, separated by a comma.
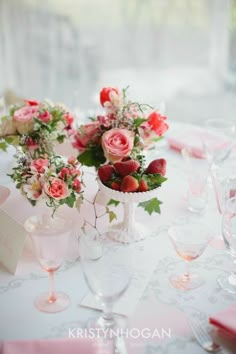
[(161, 306)]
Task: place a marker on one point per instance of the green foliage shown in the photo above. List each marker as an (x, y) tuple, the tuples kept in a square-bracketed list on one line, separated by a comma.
[(111, 214), (3, 145), (138, 122), (154, 180), (151, 206), (92, 157), (113, 202)]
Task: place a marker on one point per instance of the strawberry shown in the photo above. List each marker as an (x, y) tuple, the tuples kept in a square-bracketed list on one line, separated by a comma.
[(143, 187), (125, 168), (129, 184), (157, 166), (115, 185), (105, 172)]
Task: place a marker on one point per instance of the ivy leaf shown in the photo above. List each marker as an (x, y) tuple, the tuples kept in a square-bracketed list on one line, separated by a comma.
[(151, 206), (3, 146), (139, 121), (113, 202), (111, 214), (87, 158), (92, 157)]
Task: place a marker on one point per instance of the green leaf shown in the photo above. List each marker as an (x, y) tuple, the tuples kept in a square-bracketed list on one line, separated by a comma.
[(154, 180), (32, 202), (87, 159), (3, 146), (139, 121), (113, 202), (92, 157), (151, 206), (111, 214), (13, 140), (70, 201)]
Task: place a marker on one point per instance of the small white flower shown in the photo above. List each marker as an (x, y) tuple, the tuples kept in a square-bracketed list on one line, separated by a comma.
[(33, 188)]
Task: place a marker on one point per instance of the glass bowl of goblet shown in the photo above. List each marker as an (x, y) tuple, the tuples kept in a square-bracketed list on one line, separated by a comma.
[(189, 239), (107, 268), (50, 237)]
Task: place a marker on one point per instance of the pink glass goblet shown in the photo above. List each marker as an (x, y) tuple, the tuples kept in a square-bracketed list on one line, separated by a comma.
[(50, 237), (189, 240)]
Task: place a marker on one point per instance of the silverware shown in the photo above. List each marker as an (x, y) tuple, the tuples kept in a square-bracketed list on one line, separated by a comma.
[(203, 337)]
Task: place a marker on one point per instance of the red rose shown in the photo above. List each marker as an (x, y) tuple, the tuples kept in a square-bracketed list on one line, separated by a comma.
[(105, 94), (31, 102), (157, 123)]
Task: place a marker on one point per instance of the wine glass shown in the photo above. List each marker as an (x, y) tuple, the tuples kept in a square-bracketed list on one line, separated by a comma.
[(50, 237), (228, 281), (189, 239), (197, 172), (107, 268), (218, 140)]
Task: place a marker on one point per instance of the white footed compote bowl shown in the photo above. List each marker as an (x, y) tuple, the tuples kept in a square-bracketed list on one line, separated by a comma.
[(129, 230)]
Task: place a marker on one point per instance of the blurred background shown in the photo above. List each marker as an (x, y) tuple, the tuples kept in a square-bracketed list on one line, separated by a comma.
[(181, 52)]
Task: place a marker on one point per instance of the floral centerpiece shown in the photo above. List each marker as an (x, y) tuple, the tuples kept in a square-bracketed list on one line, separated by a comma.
[(48, 178), (114, 143), (40, 174), (35, 126)]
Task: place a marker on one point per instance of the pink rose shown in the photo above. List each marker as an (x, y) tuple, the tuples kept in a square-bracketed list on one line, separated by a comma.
[(40, 165), (117, 143), (23, 118), (56, 188), (64, 173), (45, 116), (77, 185), (88, 133), (69, 119)]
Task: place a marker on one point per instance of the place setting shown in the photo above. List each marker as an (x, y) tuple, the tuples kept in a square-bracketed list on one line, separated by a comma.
[(106, 204)]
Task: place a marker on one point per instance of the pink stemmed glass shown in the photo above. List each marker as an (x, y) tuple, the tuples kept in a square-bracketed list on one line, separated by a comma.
[(189, 240), (50, 238)]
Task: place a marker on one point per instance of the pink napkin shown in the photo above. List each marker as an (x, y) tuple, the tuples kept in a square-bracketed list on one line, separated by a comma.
[(193, 139), (225, 321), (188, 138), (58, 346)]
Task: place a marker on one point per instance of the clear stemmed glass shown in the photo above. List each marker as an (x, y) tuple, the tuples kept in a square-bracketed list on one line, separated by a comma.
[(107, 268), (218, 140), (50, 238), (197, 172), (228, 281), (189, 239)]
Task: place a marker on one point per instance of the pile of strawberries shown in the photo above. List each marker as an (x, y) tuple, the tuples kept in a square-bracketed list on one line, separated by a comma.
[(128, 175)]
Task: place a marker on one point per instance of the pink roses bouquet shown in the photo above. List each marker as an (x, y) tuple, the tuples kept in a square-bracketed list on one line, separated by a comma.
[(123, 131), (48, 178), (35, 126)]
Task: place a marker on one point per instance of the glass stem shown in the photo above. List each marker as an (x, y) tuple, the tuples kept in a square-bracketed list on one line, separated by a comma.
[(107, 314), (51, 296), (187, 271)]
